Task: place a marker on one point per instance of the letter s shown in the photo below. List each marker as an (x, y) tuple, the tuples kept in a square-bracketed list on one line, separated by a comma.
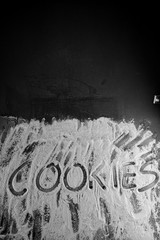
[(148, 172)]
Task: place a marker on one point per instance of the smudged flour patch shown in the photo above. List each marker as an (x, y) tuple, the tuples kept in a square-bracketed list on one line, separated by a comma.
[(72, 180)]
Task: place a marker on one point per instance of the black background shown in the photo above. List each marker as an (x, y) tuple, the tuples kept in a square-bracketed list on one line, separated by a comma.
[(108, 52)]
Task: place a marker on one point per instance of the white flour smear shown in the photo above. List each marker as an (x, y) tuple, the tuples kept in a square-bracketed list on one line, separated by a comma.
[(79, 180)]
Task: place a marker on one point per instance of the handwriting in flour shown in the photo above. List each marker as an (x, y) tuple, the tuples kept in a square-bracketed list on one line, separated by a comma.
[(126, 176), (121, 142), (152, 184), (83, 183), (52, 166), (56, 168), (91, 175), (13, 175)]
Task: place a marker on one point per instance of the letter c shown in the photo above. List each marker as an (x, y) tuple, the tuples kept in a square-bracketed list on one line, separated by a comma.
[(10, 182)]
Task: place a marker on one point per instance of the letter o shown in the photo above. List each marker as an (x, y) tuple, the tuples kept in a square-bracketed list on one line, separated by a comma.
[(83, 183), (52, 165)]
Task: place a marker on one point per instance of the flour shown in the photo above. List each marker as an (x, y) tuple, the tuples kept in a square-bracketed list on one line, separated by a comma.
[(101, 184)]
